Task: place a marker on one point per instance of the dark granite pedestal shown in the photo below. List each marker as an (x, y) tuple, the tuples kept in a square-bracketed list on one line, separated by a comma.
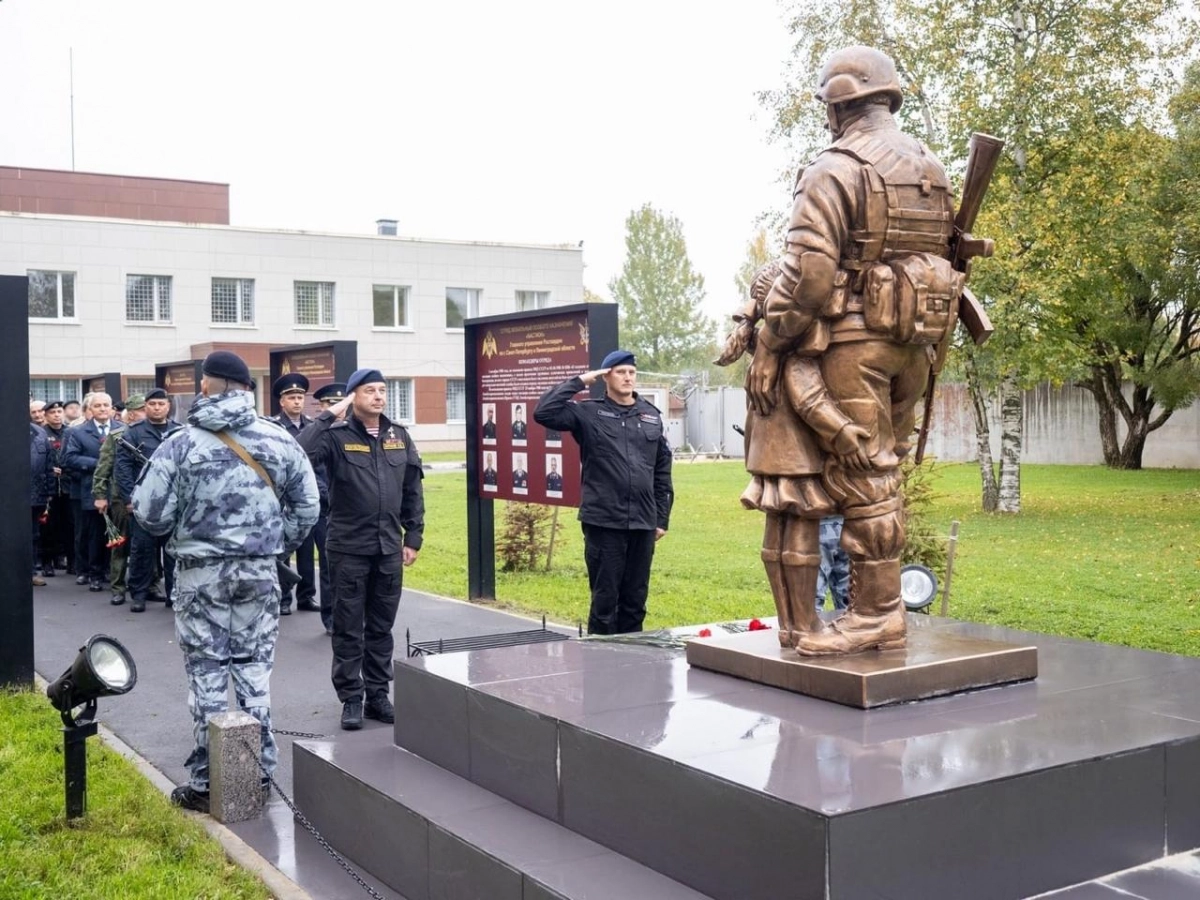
[(590, 770), (934, 663)]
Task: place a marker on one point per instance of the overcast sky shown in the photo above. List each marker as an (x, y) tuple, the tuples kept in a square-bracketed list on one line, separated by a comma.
[(544, 122)]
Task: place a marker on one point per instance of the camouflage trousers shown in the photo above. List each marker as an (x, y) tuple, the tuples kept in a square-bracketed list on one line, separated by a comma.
[(834, 574), (226, 621)]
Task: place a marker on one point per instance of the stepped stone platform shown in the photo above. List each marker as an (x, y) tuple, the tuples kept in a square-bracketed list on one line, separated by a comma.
[(586, 769)]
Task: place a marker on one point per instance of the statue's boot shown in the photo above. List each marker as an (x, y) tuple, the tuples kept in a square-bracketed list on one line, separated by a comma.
[(800, 576), (774, 569), (875, 619)]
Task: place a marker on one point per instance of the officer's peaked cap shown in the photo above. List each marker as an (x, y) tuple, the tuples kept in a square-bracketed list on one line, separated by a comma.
[(335, 391), (289, 384)]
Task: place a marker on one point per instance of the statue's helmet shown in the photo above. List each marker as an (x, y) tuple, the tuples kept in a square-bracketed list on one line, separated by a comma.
[(856, 72)]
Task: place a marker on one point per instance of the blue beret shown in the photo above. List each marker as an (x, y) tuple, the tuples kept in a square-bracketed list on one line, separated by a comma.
[(361, 377), (618, 358), (286, 384), (335, 391), (230, 366), (156, 394)]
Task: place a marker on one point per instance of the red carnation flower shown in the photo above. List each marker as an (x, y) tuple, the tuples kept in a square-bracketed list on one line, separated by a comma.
[(758, 625), (704, 632)]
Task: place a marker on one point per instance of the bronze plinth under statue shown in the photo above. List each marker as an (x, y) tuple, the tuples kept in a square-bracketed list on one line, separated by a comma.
[(848, 330)]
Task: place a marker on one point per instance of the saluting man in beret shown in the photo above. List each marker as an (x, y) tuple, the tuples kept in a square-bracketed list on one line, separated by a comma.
[(627, 492), (376, 522)]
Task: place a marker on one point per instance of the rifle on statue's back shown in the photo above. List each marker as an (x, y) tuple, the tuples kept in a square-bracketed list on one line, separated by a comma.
[(982, 157)]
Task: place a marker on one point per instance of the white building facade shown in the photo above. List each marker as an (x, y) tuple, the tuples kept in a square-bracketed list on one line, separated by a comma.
[(119, 295)]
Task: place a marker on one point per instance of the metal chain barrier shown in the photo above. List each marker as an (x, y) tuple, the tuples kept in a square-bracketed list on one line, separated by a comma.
[(303, 820)]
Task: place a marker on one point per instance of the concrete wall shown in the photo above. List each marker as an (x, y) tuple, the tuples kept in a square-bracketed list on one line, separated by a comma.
[(1061, 426)]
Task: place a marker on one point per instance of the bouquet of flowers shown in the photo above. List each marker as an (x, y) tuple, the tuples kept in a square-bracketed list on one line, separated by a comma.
[(115, 538)]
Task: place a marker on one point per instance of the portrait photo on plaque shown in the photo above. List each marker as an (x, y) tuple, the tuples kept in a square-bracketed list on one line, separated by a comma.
[(520, 430), (489, 480), (553, 438), (520, 476), (489, 423), (554, 479)]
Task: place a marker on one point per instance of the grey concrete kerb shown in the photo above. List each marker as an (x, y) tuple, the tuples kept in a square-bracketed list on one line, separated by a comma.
[(241, 853)]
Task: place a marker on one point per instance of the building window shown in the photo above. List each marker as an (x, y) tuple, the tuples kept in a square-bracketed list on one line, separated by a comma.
[(51, 294), (391, 306), (233, 301), (461, 304), (314, 303), (531, 300), (400, 400), (141, 386), (47, 389), (456, 400), (148, 298)]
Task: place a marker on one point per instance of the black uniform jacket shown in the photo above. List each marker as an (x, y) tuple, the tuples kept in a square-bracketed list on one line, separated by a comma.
[(625, 455), (376, 503)]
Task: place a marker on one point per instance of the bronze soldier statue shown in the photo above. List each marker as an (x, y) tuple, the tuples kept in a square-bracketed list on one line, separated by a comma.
[(859, 308)]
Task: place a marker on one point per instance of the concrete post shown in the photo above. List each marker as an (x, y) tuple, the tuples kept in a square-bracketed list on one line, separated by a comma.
[(234, 777)]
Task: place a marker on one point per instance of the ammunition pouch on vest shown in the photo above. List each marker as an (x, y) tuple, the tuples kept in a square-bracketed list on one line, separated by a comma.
[(912, 299)]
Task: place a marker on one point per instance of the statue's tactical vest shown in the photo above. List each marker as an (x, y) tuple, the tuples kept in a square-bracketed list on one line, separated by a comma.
[(896, 279)]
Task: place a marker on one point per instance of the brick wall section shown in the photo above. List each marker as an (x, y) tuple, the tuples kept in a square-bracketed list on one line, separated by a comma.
[(55, 192), (431, 400)]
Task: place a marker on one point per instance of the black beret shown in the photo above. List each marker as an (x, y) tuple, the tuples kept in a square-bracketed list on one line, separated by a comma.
[(223, 364), (287, 384), (157, 394), (330, 392), (363, 376), (53, 404)]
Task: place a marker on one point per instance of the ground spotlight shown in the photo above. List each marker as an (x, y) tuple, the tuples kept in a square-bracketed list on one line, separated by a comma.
[(918, 587), (103, 668)]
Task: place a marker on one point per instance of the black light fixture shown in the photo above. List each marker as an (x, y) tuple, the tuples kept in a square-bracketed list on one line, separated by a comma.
[(918, 587), (103, 668)]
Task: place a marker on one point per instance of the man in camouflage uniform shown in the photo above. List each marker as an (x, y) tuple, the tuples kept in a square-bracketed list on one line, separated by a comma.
[(227, 527), (868, 289)]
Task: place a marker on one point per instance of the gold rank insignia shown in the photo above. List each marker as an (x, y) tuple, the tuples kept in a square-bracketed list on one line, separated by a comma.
[(393, 445), (356, 448)]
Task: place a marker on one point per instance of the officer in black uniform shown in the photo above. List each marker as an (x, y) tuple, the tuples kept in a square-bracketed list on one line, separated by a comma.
[(518, 425), (147, 552), (376, 522), (291, 389), (489, 470), (627, 492), (520, 476), (489, 427), (327, 396)]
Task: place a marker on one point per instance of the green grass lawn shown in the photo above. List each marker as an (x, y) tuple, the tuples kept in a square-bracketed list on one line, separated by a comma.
[(131, 843), (1096, 554)]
